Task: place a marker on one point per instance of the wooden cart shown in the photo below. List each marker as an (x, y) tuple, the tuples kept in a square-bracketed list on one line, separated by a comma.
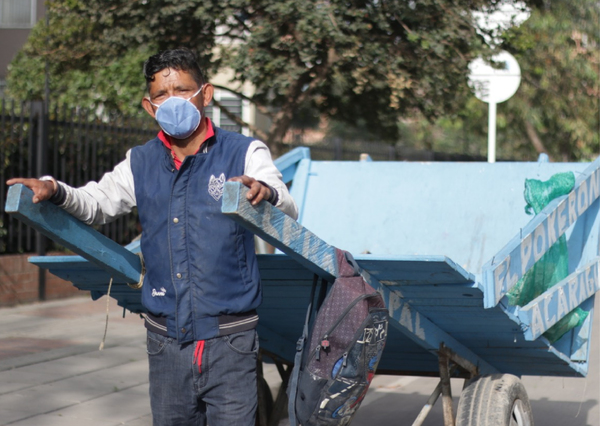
[(444, 243)]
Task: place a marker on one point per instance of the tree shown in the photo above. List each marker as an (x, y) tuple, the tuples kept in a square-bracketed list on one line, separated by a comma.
[(374, 59), (556, 108)]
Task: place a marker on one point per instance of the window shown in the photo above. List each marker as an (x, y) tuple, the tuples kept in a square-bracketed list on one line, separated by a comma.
[(233, 103), (17, 13)]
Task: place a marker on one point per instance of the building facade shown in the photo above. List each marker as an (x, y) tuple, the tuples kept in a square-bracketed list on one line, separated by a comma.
[(17, 18)]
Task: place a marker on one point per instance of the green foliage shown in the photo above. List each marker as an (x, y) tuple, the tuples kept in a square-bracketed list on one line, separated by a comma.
[(114, 85), (377, 60), (556, 108), (558, 49)]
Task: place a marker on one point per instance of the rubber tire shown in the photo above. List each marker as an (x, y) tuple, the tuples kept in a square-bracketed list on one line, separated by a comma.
[(495, 400)]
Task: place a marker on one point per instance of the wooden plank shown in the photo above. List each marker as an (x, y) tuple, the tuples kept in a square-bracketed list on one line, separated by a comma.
[(436, 290), (290, 237), (478, 337), (546, 310), (63, 228), (454, 303), (280, 230), (288, 162), (511, 263), (411, 270), (300, 185)]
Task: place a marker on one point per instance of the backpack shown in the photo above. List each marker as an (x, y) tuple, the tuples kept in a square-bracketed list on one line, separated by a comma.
[(334, 367)]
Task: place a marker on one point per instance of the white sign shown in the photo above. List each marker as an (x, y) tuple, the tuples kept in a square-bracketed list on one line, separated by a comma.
[(495, 85)]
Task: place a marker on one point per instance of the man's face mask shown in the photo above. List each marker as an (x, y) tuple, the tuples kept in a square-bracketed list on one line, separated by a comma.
[(178, 117)]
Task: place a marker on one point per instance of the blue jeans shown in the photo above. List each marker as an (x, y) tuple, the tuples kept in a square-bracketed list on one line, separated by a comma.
[(223, 394)]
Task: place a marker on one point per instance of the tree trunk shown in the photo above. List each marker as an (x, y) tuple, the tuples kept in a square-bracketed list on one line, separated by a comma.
[(535, 139)]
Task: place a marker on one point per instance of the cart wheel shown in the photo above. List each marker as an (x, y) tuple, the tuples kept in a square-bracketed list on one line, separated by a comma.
[(496, 400)]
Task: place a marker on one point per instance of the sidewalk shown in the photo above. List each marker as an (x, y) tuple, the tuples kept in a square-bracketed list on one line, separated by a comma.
[(52, 374)]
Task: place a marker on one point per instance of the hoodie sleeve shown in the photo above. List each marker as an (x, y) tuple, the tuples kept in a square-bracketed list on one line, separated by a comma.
[(260, 166), (101, 202)]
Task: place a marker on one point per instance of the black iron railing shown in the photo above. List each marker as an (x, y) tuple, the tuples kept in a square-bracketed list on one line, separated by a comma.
[(73, 145)]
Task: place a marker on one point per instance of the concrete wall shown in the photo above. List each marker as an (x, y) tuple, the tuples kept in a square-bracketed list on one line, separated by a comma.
[(19, 282)]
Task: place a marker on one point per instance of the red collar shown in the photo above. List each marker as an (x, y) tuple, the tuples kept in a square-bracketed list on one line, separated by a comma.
[(166, 140)]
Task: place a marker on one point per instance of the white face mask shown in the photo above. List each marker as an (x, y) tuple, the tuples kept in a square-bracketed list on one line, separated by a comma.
[(178, 117)]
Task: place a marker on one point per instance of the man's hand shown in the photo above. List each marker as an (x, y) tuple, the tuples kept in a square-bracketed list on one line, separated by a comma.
[(257, 192), (42, 189)]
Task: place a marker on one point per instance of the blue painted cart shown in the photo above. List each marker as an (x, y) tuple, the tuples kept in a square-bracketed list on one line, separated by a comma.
[(443, 242)]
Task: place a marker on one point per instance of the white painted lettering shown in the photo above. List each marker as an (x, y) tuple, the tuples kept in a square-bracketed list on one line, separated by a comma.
[(563, 305), (591, 282), (525, 253), (406, 318), (562, 218), (539, 242), (572, 294), (583, 293), (499, 277), (550, 320), (551, 226), (394, 304), (419, 331), (511, 278), (537, 322), (582, 198), (572, 204), (594, 186)]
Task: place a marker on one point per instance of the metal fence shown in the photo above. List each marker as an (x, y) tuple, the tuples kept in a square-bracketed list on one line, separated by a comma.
[(344, 150), (71, 144)]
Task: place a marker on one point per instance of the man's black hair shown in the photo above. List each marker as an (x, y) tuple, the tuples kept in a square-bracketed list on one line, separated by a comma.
[(178, 59)]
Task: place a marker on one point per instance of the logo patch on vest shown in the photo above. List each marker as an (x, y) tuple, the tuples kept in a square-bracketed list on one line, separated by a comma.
[(160, 292), (215, 186)]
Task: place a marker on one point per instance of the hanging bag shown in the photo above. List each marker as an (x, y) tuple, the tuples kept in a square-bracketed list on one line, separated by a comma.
[(336, 361)]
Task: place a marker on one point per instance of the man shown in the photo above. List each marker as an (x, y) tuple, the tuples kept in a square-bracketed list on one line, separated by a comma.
[(202, 285)]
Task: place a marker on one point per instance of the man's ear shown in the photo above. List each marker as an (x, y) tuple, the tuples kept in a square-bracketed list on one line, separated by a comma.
[(208, 91), (148, 107)]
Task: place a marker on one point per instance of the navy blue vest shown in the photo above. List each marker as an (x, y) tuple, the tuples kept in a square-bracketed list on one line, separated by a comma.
[(200, 264)]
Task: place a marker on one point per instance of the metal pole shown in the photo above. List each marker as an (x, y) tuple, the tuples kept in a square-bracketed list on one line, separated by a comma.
[(432, 399), (446, 389), (492, 133), (429, 405)]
